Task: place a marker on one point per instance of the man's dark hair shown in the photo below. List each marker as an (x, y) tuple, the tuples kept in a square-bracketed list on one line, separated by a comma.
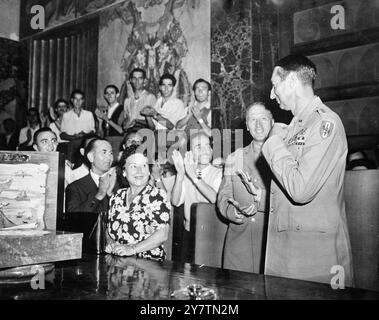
[(116, 89), (137, 70), (127, 136), (9, 125), (304, 68), (201, 80), (39, 131), (91, 145), (133, 149), (56, 103), (361, 160), (76, 91), (32, 110), (167, 76)]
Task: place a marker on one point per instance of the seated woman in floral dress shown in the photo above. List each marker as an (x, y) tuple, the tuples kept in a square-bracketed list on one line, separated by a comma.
[(138, 216)]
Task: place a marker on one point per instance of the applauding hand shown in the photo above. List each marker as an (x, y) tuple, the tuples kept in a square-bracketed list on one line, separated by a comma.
[(148, 111), (129, 90), (178, 162), (241, 211), (250, 184), (112, 175), (190, 165), (196, 112)]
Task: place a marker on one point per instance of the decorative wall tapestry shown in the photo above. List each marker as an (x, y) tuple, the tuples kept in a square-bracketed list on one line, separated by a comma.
[(156, 42)]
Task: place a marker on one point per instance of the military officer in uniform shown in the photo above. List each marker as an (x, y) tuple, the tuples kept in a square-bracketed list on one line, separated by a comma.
[(246, 211), (308, 232)]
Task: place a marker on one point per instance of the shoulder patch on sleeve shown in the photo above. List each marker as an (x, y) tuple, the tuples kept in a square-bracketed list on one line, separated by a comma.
[(326, 128)]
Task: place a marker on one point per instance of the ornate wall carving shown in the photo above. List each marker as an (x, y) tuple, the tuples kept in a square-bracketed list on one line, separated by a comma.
[(244, 49)]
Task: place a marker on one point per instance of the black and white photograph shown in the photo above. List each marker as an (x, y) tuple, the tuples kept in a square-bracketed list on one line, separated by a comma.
[(174, 151)]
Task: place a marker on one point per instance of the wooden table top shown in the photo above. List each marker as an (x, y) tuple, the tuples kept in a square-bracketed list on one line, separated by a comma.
[(108, 278)]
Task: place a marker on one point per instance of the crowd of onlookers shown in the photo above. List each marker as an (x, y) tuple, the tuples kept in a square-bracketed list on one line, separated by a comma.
[(106, 163), (110, 167)]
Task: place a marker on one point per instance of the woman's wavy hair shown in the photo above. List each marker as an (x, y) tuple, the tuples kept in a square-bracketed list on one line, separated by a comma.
[(129, 151), (133, 149)]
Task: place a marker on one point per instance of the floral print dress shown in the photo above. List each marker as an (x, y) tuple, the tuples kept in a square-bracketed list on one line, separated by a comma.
[(131, 223)]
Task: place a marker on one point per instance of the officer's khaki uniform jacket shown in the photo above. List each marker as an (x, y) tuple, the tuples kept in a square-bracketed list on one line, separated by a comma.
[(245, 243), (308, 231)]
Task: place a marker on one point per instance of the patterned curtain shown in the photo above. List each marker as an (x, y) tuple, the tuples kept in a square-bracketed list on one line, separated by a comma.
[(63, 60)]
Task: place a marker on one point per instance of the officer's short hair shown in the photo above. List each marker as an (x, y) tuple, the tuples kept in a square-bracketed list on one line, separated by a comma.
[(304, 68), (167, 76)]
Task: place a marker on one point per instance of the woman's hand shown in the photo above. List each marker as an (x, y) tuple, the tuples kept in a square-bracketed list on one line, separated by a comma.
[(124, 250), (110, 247)]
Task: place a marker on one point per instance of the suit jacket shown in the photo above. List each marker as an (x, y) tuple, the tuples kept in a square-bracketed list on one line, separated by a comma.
[(12, 144), (80, 196)]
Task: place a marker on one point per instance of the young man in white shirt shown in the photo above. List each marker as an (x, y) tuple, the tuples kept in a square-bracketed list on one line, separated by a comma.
[(197, 180), (168, 110), (77, 124), (138, 98)]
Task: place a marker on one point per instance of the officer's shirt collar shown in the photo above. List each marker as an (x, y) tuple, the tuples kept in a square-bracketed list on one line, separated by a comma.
[(304, 112)]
